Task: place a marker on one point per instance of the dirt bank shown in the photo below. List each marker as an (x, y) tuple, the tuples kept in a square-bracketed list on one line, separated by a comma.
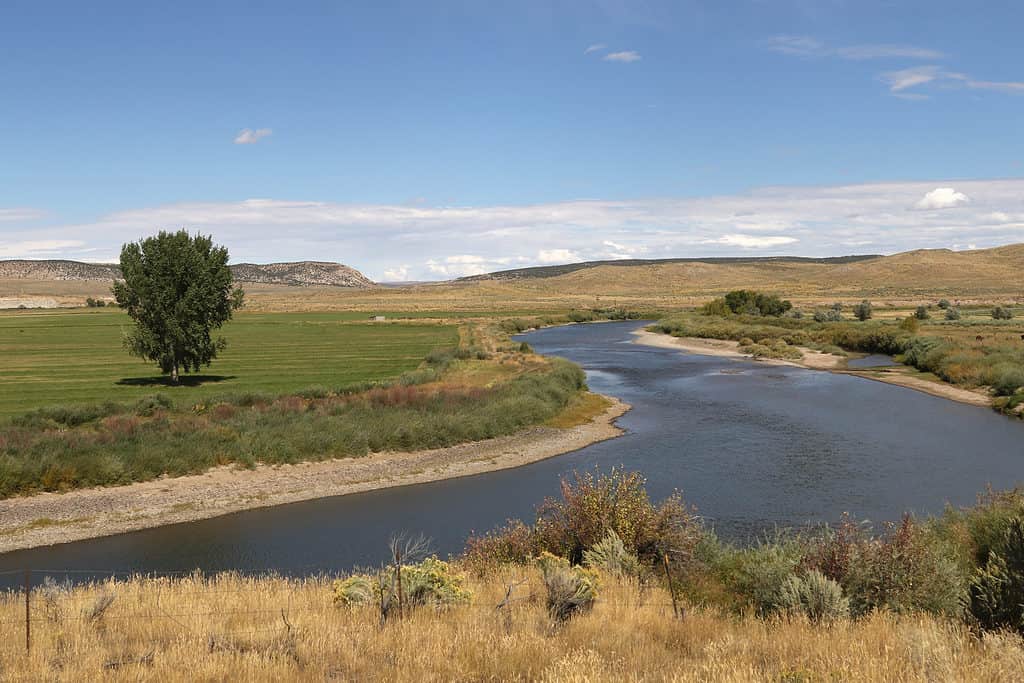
[(50, 518), (816, 360)]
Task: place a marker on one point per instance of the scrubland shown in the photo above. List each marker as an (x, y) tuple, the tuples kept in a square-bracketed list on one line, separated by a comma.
[(610, 586)]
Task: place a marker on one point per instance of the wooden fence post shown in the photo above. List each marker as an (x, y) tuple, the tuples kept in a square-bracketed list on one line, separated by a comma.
[(671, 586), (28, 613)]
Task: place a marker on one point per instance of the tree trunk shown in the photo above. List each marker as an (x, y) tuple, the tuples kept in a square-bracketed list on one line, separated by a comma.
[(174, 374)]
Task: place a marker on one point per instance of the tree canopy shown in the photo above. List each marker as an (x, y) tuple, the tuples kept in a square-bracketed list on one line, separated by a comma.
[(178, 289), (749, 302)]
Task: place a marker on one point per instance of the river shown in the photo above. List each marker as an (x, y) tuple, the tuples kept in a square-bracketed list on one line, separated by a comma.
[(753, 446)]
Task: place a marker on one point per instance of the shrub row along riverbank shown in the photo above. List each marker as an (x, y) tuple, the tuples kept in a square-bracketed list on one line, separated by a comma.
[(966, 565), (968, 354), (604, 585), (64, 448)]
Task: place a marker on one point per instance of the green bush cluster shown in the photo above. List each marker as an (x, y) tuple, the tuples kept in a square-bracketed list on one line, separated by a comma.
[(39, 453), (999, 366), (747, 302), (815, 596), (570, 589), (967, 564), (591, 511), (431, 582)]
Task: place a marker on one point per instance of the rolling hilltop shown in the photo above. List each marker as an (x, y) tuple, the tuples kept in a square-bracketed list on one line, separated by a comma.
[(981, 273), (301, 273)]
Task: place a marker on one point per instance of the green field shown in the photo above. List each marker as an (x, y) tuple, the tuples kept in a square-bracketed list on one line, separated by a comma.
[(75, 356)]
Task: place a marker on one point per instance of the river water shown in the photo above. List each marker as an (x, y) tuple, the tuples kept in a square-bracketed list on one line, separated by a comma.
[(753, 446)]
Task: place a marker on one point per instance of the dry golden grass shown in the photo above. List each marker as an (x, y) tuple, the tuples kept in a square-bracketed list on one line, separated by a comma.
[(903, 279), (230, 628), (983, 275)]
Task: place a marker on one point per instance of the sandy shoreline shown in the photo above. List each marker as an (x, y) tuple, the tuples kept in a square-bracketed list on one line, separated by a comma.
[(49, 518), (814, 360)]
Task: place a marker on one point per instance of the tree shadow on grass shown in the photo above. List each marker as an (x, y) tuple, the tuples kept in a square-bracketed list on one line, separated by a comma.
[(165, 381)]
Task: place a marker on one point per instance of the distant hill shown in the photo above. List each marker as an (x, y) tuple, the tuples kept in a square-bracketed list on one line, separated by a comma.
[(300, 273), (57, 270), (565, 269), (982, 274)]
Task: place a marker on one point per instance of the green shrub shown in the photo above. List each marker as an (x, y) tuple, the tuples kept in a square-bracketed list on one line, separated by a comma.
[(922, 313), (749, 302), (515, 543), (944, 304), (828, 316), (147, 405), (1002, 313), (907, 568), (1007, 378), (814, 595), (952, 314), (716, 307), (570, 589), (610, 555), (757, 574), (580, 316), (997, 587), (358, 589), (431, 582), (591, 506), (862, 311)]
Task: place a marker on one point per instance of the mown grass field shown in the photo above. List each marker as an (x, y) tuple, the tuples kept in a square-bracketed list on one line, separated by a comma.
[(75, 356)]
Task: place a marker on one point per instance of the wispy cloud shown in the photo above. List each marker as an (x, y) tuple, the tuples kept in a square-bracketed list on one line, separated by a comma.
[(1015, 87), (624, 56), (17, 214), (248, 136), (908, 78), (904, 79), (395, 241), (596, 47), (899, 80), (37, 249), (806, 46)]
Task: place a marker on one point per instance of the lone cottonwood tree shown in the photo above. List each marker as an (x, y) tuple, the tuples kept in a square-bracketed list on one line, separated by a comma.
[(177, 288)]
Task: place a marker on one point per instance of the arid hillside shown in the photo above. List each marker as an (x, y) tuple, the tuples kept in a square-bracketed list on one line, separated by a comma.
[(300, 273), (51, 283), (980, 276), (969, 275)]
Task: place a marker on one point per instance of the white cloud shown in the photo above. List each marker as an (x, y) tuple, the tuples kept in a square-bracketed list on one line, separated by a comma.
[(558, 256), (596, 47), (249, 136), (754, 241), (943, 198), (37, 249), (859, 52), (626, 56), (909, 78), (1013, 87), (898, 80), (806, 46), (397, 274), (904, 79), (20, 215), (432, 242)]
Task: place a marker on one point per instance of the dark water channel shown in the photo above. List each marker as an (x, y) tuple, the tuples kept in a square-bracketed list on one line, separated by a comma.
[(751, 445)]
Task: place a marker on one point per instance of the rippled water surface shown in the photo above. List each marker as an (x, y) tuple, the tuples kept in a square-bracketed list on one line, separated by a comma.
[(752, 446)]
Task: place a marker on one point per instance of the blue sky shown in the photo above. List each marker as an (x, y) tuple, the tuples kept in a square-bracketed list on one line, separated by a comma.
[(433, 139)]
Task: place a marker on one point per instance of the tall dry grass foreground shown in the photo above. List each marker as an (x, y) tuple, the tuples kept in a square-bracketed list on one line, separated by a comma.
[(232, 628)]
